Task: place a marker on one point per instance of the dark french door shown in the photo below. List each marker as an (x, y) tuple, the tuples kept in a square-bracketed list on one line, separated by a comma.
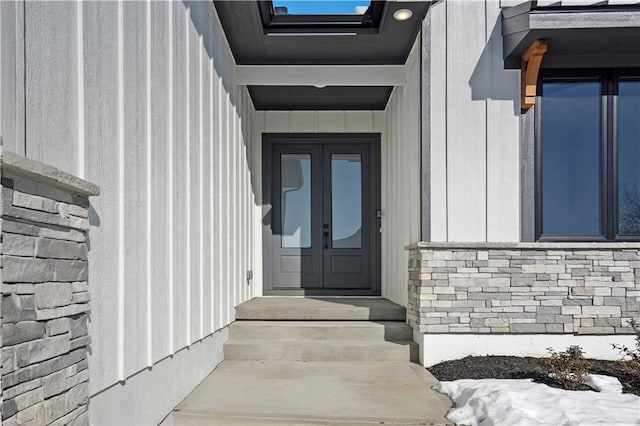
[(322, 233)]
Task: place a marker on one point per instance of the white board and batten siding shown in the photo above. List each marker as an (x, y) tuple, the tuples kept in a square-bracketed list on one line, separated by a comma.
[(401, 180), (12, 70), (139, 98), (474, 130)]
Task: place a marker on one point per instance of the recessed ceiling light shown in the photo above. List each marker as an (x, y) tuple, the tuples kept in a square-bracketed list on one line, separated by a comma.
[(402, 14), (319, 86)]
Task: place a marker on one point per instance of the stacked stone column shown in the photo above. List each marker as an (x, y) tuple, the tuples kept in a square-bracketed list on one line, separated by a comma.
[(45, 294)]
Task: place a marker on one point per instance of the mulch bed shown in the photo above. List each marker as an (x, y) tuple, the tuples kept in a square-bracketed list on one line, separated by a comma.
[(511, 367)]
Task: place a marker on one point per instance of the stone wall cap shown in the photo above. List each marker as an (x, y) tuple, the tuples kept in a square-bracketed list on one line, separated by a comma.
[(40, 172), (524, 246)]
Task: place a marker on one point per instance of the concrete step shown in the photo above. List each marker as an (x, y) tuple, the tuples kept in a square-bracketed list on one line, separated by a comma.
[(320, 309), (327, 350), (321, 330), (314, 393)]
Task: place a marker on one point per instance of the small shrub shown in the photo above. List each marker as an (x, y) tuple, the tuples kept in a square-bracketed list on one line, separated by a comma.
[(568, 367), (630, 361)]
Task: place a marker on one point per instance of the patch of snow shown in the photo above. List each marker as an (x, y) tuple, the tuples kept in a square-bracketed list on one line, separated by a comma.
[(493, 402), (603, 383)]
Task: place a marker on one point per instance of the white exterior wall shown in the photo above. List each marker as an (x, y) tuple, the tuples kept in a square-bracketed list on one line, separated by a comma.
[(401, 181), (474, 134), (139, 98), (11, 66)]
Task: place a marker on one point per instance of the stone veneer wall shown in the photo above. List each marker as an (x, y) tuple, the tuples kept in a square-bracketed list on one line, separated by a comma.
[(45, 295), (582, 288)]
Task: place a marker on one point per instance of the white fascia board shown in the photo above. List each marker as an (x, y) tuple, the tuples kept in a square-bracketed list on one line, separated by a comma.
[(330, 75)]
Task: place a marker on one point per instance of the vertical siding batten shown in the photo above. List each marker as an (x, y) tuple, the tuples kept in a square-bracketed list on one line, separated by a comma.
[(219, 294), (187, 167), (206, 309), (258, 125), (149, 220), (201, 230), (81, 164), (227, 210), (437, 74), (212, 194), (121, 172), (233, 237), (170, 170)]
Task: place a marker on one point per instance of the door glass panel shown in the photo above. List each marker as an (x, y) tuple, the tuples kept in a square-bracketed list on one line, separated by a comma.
[(346, 200), (571, 159), (628, 155), (296, 200)]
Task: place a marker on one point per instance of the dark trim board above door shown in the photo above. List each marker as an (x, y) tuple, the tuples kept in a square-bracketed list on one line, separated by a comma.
[(328, 264)]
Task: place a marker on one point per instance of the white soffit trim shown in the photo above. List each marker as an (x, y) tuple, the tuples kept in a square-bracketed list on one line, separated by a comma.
[(330, 75)]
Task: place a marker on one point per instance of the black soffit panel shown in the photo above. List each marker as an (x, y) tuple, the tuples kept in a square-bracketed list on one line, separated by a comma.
[(591, 36), (250, 44), (306, 98)]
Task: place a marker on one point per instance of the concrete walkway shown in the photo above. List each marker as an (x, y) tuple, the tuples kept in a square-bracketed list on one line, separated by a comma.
[(314, 393)]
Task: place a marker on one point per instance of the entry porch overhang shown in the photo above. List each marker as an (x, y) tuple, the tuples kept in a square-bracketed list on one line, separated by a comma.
[(310, 64), (590, 36)]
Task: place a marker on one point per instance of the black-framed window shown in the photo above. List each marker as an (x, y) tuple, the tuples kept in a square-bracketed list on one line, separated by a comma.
[(588, 156)]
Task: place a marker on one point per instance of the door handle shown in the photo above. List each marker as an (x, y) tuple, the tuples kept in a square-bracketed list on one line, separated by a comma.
[(325, 235)]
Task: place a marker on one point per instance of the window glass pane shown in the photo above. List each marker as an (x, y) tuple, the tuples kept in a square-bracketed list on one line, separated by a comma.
[(315, 7), (628, 158), (571, 163), (296, 200), (346, 200)]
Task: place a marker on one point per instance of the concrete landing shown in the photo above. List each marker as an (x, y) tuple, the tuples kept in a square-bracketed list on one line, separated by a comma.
[(325, 309), (314, 393)]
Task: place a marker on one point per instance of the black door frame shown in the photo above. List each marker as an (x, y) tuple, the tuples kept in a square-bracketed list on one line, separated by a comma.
[(268, 142)]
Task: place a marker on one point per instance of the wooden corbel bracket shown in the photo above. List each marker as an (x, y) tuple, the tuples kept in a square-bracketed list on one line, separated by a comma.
[(530, 67)]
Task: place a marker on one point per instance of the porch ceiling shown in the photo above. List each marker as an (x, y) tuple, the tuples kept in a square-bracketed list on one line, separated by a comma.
[(312, 98), (359, 67), (252, 45)]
